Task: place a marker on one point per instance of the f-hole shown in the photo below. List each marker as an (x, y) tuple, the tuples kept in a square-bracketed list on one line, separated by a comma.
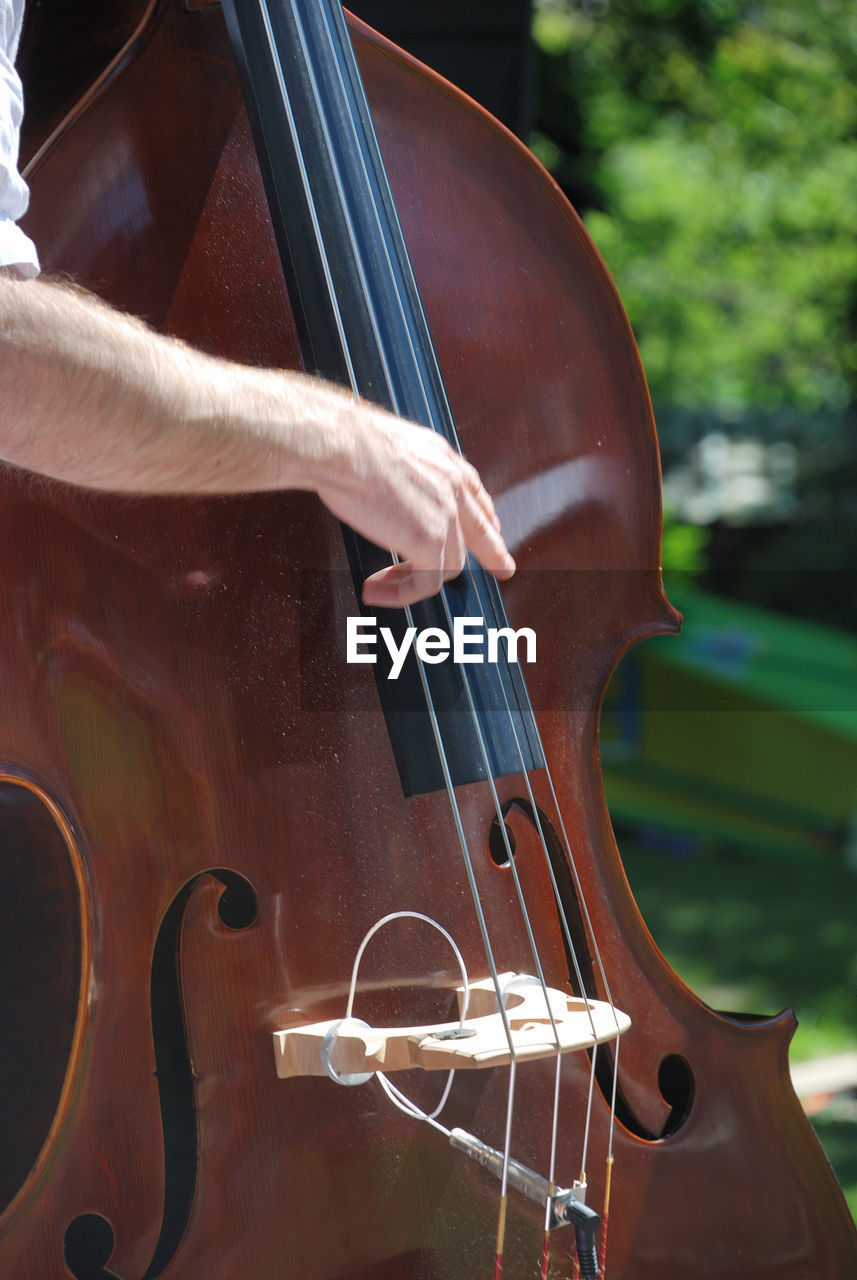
[(675, 1076), (88, 1245), (89, 1239), (572, 927)]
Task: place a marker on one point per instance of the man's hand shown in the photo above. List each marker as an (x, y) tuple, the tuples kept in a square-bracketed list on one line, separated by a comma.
[(403, 487), (95, 398)]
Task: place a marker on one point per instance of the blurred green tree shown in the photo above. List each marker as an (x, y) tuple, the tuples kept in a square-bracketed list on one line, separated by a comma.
[(711, 146)]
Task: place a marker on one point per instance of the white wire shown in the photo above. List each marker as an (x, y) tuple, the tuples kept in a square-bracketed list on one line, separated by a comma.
[(395, 1094)]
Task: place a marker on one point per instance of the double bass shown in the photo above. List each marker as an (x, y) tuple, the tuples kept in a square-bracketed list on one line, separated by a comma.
[(313, 971)]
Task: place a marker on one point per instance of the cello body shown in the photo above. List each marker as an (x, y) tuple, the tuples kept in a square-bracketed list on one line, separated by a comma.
[(203, 812)]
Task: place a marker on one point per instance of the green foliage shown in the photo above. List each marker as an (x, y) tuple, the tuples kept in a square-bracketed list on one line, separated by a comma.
[(753, 936), (732, 926), (725, 151), (712, 147), (683, 547), (835, 1128)]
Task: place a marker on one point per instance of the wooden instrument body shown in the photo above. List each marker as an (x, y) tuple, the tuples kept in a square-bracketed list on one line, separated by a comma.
[(174, 682)]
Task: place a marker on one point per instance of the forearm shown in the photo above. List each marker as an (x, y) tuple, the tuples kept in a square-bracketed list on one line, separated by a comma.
[(94, 398), (90, 396)]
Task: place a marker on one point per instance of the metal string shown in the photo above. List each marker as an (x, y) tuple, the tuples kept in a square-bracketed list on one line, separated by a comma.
[(498, 808), (437, 733)]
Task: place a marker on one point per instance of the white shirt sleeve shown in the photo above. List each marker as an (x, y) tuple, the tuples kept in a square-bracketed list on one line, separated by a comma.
[(16, 249)]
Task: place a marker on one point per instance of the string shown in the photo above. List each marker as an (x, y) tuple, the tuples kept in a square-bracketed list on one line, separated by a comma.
[(328, 275), (498, 809), (504, 1181), (533, 945), (470, 872), (435, 726), (581, 897), (462, 839), (409, 614), (572, 950), (309, 199), (600, 962), (566, 843), (449, 786)]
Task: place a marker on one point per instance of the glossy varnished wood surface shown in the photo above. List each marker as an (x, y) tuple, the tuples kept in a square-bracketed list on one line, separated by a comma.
[(174, 677)]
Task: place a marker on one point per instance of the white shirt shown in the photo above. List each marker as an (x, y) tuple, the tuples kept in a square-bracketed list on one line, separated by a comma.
[(16, 249)]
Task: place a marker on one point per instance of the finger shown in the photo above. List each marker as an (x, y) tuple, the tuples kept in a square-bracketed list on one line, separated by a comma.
[(484, 539), (419, 577), (454, 555), (401, 584), (477, 491)]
